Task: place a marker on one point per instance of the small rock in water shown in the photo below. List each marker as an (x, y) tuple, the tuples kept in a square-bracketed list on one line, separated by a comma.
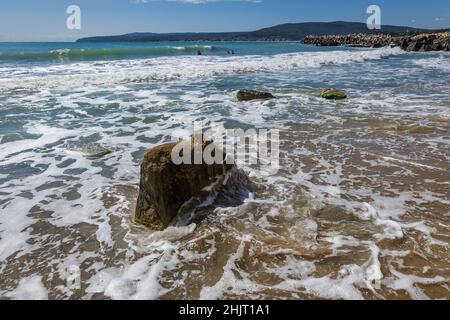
[(333, 94), (166, 189), (334, 214), (247, 95), (418, 129), (95, 151)]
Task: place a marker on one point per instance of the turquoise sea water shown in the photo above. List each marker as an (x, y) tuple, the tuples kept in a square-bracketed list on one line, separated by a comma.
[(60, 52), (359, 209)]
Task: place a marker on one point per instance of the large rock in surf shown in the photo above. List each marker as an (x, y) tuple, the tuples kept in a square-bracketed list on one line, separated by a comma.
[(333, 94), (247, 95), (167, 188)]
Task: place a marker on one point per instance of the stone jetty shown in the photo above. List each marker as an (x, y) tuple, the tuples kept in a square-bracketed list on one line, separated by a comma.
[(420, 43)]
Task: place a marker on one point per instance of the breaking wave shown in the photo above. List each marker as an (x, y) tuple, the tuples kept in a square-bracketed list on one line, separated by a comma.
[(75, 55), (177, 68)]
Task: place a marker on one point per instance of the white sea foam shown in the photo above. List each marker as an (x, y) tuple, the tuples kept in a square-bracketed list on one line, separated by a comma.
[(47, 135), (326, 287), (30, 288), (177, 68), (60, 51), (229, 282), (442, 62), (409, 284)]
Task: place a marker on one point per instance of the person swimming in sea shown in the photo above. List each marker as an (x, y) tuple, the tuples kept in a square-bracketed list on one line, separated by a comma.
[(199, 53)]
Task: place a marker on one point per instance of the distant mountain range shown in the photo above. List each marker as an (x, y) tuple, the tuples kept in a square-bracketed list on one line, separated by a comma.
[(288, 31)]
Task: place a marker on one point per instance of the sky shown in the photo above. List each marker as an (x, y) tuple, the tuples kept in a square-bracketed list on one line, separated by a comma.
[(45, 20)]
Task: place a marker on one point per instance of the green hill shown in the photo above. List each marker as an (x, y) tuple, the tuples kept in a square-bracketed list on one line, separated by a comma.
[(288, 31)]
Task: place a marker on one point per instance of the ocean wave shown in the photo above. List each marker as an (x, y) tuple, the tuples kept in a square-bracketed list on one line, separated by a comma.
[(67, 54), (176, 68), (442, 62)]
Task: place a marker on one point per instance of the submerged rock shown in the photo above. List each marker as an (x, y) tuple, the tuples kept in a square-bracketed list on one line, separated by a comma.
[(247, 95), (420, 129), (166, 188), (95, 151), (333, 94), (334, 214)]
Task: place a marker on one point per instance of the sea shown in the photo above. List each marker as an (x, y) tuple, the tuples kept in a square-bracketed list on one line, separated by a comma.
[(360, 208)]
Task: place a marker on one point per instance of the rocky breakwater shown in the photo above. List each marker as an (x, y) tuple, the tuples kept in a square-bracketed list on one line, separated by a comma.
[(176, 178), (357, 40), (422, 42), (425, 42)]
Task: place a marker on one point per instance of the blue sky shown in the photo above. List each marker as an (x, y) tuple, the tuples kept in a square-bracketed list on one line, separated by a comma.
[(45, 20)]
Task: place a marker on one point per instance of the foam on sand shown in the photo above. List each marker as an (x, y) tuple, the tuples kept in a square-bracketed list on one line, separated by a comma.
[(30, 288)]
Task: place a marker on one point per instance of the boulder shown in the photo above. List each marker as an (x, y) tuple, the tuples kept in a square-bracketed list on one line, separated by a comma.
[(334, 214), (404, 44), (94, 151), (426, 47), (333, 94), (247, 95), (167, 188), (414, 46), (436, 47)]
